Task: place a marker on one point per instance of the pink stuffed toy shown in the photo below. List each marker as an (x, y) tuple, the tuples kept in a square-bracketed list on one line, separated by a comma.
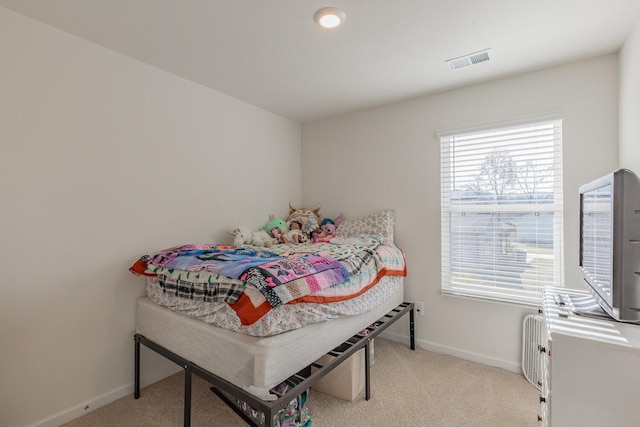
[(327, 230), (324, 234)]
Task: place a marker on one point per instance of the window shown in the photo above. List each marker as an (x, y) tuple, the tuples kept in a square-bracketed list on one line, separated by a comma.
[(501, 189)]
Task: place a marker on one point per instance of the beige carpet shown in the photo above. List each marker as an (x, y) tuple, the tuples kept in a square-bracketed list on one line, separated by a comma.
[(409, 388)]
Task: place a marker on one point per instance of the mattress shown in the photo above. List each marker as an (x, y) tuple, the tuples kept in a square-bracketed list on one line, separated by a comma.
[(245, 360)]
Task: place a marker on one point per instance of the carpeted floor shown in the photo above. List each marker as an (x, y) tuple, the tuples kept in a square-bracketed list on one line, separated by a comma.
[(409, 388)]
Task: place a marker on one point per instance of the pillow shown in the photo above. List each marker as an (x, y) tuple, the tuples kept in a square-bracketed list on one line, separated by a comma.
[(377, 224)]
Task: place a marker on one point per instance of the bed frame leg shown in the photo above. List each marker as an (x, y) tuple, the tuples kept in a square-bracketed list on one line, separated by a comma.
[(367, 371), (187, 395), (136, 375)]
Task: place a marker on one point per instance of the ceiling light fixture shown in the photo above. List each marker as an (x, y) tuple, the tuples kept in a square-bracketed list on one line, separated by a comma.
[(329, 17)]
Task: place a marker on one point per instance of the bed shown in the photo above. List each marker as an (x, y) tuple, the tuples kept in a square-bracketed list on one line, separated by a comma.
[(249, 318)]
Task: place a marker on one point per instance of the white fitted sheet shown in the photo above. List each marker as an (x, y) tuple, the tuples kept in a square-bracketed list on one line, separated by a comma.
[(245, 360)]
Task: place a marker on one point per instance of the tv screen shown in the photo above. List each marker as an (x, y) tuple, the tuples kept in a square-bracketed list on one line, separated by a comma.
[(610, 243), (597, 237)]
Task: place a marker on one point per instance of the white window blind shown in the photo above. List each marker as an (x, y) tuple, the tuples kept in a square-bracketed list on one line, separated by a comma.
[(501, 205)]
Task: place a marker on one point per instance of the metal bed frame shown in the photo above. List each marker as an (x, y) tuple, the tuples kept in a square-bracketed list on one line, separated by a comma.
[(303, 379)]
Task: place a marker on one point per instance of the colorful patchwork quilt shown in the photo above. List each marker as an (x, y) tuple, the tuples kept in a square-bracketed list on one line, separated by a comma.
[(253, 281)]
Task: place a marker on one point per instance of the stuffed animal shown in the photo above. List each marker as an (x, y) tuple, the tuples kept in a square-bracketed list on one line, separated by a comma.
[(262, 238), (244, 236), (276, 229), (241, 235), (336, 222), (324, 233), (303, 238), (309, 218), (327, 230), (275, 222)]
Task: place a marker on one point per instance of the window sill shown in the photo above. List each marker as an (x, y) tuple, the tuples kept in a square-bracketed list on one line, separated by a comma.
[(534, 303)]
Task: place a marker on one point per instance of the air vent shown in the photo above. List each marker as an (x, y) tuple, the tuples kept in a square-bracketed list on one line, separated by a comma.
[(468, 60)]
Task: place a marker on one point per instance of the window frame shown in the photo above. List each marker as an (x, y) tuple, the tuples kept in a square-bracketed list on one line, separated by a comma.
[(447, 164)]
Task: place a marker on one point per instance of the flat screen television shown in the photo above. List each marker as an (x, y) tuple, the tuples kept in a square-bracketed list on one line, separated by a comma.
[(610, 243)]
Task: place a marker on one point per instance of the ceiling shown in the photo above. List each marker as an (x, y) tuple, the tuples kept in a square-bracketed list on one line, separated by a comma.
[(270, 53)]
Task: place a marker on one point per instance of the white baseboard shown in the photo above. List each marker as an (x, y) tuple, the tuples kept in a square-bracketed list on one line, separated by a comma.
[(90, 405), (462, 354)]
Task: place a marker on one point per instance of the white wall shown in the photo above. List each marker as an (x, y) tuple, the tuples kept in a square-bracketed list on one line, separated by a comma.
[(630, 102), (103, 159), (388, 157)]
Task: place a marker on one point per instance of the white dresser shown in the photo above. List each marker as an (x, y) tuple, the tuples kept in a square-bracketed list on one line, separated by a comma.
[(591, 368)]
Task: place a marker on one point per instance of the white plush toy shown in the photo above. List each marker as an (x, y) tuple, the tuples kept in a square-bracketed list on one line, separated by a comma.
[(244, 236), (241, 235), (262, 238)]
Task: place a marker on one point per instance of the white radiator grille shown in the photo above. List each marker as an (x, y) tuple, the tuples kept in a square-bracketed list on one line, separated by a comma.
[(532, 337)]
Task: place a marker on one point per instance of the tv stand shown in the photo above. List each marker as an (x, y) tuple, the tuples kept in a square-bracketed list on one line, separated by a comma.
[(591, 366)]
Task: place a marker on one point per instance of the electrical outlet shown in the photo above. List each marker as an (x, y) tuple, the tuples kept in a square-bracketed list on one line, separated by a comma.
[(419, 307)]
